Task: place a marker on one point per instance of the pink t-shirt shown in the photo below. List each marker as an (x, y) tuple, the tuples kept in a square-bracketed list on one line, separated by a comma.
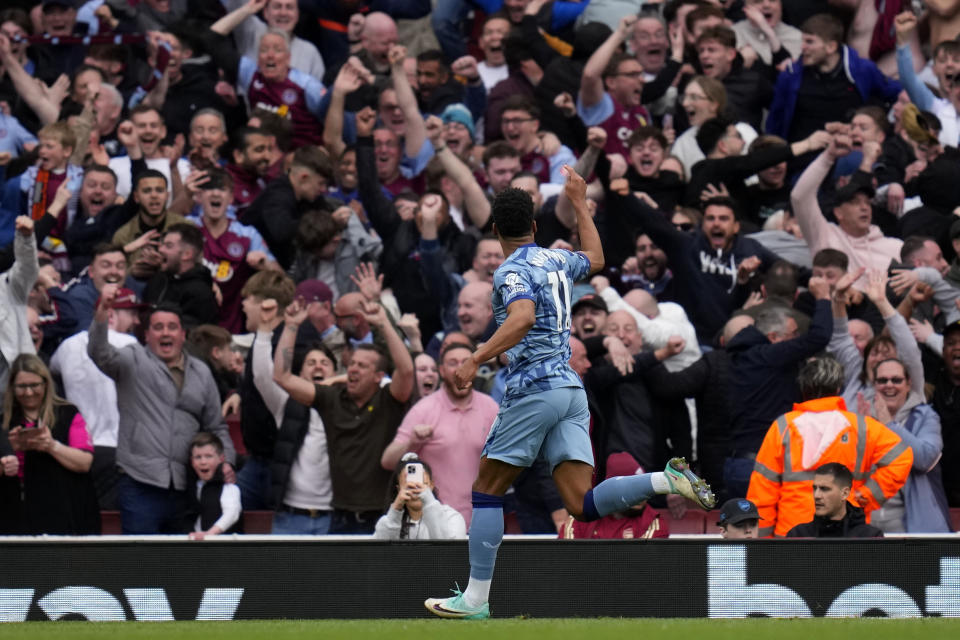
[(78, 438), (453, 451)]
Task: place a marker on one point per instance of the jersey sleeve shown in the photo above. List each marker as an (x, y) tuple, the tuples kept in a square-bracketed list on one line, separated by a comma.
[(597, 113), (578, 266), (512, 285)]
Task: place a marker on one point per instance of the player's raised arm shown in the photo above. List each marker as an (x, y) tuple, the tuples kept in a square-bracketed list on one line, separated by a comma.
[(576, 192)]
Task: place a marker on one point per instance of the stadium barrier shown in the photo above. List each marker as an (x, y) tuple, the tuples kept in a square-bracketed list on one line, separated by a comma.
[(255, 577), (692, 523)]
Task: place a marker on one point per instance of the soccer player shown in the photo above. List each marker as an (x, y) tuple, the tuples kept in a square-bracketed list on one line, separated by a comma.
[(545, 408)]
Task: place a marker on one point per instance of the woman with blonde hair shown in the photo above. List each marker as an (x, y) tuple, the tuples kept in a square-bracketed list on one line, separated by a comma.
[(53, 447), (703, 98)]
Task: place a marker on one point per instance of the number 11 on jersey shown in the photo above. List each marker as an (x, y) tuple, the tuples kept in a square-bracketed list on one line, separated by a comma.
[(561, 297)]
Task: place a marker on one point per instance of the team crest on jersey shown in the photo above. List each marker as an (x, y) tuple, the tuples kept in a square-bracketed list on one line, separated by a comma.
[(513, 283), (258, 85), (289, 96), (537, 166), (235, 249)]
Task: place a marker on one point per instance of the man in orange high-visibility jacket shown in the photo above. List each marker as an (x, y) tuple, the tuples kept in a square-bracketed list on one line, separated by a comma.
[(817, 431)]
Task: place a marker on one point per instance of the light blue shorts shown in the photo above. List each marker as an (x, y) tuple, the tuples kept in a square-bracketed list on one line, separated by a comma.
[(554, 424)]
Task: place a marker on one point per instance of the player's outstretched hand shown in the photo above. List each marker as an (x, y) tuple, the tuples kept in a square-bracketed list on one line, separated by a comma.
[(576, 187), (465, 374)]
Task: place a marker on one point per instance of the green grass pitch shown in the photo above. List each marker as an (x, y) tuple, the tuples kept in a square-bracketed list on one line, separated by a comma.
[(513, 629)]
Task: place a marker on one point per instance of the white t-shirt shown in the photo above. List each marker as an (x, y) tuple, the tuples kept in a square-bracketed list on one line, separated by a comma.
[(121, 167)]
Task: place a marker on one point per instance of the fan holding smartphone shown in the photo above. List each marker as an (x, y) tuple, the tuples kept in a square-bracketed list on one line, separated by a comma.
[(416, 512)]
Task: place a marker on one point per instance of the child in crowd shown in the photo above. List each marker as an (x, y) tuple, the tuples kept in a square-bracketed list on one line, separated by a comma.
[(216, 503)]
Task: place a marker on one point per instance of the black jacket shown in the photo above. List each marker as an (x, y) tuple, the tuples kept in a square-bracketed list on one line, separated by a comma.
[(401, 242), (707, 381), (293, 430), (634, 420), (275, 213), (946, 402), (704, 279), (257, 425), (763, 376), (732, 171), (852, 525), (749, 91), (192, 291)]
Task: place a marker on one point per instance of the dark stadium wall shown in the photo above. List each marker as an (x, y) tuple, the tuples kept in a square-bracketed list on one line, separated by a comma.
[(671, 578)]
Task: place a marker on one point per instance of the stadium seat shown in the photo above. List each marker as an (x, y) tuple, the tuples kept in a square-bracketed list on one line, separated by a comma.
[(110, 523), (257, 522), (693, 522)]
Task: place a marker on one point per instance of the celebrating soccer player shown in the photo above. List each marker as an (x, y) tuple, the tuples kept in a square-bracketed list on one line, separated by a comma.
[(545, 406)]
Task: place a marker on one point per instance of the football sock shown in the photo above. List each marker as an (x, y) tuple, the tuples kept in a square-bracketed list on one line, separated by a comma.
[(486, 533), (620, 493)]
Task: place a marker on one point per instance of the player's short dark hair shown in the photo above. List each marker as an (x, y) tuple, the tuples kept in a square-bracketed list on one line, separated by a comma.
[(720, 34), (100, 168), (106, 247), (202, 339), (911, 245), (767, 141), (949, 47), (454, 345), (241, 136), (204, 438), (781, 280), (875, 113), (190, 235), (18, 17), (166, 307), (644, 133), (526, 174), (383, 363), (831, 258), (613, 66), (149, 173), (512, 213), (499, 149), (711, 132), (315, 230), (703, 12), (83, 68), (722, 201), (825, 26), (300, 355), (275, 125), (217, 178), (840, 472), (433, 55), (315, 159), (521, 103)]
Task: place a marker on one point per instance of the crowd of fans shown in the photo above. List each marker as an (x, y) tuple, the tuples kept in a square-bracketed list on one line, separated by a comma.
[(277, 213)]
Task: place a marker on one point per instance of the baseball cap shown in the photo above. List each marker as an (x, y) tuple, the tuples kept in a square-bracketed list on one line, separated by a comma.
[(457, 112), (737, 510), (590, 300), (69, 4), (622, 464), (313, 291), (847, 193)]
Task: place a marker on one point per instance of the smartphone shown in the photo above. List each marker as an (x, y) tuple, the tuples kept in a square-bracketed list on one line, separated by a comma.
[(414, 473)]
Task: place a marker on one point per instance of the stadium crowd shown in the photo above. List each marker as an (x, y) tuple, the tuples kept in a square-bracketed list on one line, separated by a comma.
[(246, 246)]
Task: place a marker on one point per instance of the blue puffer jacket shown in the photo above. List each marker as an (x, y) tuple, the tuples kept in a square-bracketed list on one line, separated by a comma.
[(869, 80)]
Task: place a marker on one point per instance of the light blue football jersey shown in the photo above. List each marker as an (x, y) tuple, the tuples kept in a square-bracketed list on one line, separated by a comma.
[(540, 361)]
